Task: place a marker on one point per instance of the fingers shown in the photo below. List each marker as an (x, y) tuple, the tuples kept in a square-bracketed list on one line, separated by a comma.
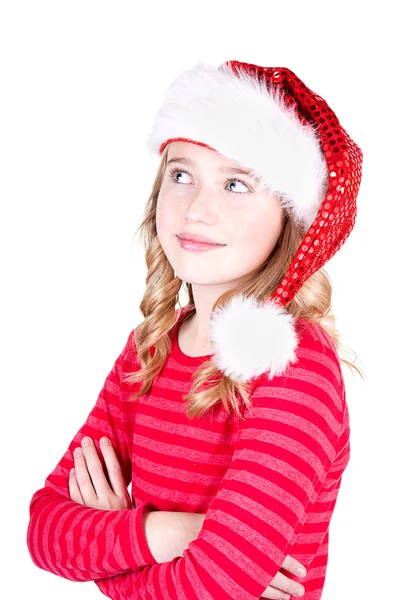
[(113, 467), (292, 565), (74, 490), (274, 594), (287, 586), (284, 587), (92, 483), (89, 472)]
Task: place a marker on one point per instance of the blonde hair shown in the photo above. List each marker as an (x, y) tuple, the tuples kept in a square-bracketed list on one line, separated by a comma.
[(158, 306)]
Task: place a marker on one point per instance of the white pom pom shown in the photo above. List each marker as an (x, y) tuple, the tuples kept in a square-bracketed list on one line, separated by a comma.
[(249, 338)]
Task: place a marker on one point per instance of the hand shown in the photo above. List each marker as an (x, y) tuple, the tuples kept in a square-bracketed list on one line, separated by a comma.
[(88, 484), (169, 533), (188, 527), (280, 583)]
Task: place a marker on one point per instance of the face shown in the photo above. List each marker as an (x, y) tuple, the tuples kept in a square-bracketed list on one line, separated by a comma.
[(203, 197)]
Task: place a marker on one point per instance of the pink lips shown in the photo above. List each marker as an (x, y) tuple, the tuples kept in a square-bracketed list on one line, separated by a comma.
[(196, 237), (197, 246)]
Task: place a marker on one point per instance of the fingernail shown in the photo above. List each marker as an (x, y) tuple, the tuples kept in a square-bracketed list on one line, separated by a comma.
[(105, 441), (86, 441), (300, 572), (299, 592), (78, 452)]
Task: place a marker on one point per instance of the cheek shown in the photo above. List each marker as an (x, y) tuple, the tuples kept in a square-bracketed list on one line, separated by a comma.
[(257, 238), (165, 218)]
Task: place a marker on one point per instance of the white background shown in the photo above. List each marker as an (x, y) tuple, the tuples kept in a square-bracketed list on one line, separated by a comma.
[(80, 84)]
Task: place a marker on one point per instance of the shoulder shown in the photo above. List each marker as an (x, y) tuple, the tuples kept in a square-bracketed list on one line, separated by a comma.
[(129, 352), (312, 386), (127, 356), (316, 352)]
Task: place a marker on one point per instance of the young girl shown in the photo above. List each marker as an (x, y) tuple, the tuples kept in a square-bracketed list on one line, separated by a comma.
[(228, 416)]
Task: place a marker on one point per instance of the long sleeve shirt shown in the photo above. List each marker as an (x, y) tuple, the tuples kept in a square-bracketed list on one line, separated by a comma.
[(267, 483)]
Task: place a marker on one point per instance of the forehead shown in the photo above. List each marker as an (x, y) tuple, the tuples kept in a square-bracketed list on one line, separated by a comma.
[(192, 155)]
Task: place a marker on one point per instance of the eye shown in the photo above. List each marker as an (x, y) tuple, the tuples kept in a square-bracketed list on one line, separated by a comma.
[(238, 181), (176, 170)]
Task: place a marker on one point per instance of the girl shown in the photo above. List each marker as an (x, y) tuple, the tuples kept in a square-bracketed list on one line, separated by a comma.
[(228, 416)]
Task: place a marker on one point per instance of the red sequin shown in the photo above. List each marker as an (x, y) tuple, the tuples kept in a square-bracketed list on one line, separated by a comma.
[(337, 213)]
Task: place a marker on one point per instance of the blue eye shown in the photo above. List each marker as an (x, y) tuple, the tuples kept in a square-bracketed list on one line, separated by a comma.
[(177, 170), (237, 181), (173, 171)]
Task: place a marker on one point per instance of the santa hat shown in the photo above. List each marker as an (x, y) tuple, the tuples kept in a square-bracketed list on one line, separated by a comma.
[(268, 120)]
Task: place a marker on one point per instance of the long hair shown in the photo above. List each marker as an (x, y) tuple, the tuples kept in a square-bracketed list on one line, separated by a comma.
[(158, 306)]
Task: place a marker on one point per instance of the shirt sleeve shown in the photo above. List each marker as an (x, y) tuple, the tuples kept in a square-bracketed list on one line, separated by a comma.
[(78, 542), (286, 446)]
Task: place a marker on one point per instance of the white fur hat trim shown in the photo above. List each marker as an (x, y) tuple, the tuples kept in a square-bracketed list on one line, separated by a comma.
[(246, 122), (249, 338)]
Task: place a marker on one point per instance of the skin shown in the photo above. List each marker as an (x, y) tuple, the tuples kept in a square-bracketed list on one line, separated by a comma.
[(226, 207), (229, 209)]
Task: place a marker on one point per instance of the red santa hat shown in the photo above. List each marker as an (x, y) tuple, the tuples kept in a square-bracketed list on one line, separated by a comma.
[(268, 120)]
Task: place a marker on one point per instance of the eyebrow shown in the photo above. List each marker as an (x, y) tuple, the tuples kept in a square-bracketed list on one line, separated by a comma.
[(191, 163)]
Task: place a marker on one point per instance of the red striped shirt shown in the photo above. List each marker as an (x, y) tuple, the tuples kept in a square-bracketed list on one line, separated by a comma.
[(268, 484)]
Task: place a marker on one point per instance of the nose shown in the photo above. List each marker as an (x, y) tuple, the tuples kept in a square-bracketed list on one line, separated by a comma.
[(200, 203)]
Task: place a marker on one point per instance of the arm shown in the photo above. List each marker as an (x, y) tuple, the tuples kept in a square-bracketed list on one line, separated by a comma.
[(82, 543), (286, 446)]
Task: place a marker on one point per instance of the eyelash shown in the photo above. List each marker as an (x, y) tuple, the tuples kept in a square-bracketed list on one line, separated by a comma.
[(178, 170)]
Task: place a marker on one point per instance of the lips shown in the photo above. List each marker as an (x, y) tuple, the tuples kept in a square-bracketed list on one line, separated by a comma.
[(198, 239), (198, 246)]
